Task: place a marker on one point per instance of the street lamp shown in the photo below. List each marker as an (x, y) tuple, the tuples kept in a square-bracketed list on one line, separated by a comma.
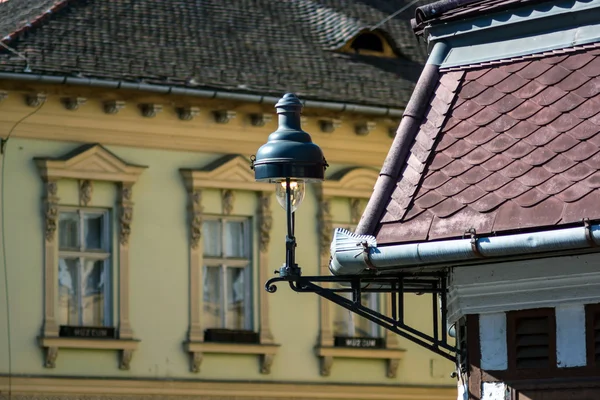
[(289, 159)]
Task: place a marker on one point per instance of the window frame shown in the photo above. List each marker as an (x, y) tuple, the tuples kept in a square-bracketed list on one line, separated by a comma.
[(223, 263), (87, 164), (229, 174), (355, 186), (105, 254)]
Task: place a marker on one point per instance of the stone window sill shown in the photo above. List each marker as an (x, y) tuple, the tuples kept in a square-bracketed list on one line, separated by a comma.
[(198, 349), (327, 354), (52, 344)]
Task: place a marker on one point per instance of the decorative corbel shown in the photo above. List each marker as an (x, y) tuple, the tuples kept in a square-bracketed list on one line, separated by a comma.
[(51, 353), (196, 361), (364, 128), (227, 200), (149, 110), (113, 106), (85, 192), (51, 208), (196, 210), (355, 210), (187, 113), (35, 99), (326, 364), (73, 103), (260, 119), (266, 361), (265, 221), (125, 212), (329, 125), (125, 359), (224, 116), (325, 221), (392, 367), (3, 95)]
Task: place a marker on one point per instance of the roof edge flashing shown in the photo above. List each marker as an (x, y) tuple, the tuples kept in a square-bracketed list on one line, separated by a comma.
[(357, 259)]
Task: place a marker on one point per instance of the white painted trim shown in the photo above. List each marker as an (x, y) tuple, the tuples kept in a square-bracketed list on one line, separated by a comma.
[(570, 336), (493, 391), (492, 341), (520, 285)]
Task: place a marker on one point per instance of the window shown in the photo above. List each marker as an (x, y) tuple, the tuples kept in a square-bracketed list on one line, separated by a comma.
[(84, 269), (227, 276), (531, 339), (349, 324)]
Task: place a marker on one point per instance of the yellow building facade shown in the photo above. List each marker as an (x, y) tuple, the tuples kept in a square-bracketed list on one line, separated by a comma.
[(120, 213)]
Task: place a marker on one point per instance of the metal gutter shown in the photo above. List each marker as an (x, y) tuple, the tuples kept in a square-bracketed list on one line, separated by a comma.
[(207, 94), (354, 254)]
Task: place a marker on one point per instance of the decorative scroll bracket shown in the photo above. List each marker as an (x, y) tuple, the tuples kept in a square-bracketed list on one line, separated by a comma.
[(397, 286)]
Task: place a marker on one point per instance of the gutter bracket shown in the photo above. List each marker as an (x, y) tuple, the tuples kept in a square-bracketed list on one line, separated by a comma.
[(366, 255), (473, 234), (588, 232)]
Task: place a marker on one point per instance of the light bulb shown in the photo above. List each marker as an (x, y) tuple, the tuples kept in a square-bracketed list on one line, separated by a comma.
[(296, 194)]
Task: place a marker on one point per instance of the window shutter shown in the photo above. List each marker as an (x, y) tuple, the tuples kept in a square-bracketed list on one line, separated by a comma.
[(597, 338), (533, 342)]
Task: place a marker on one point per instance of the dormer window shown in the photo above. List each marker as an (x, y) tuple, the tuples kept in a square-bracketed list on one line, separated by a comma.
[(371, 43)]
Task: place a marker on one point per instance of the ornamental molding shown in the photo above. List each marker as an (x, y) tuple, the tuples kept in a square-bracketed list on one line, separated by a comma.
[(260, 120), (86, 190), (51, 200), (329, 125), (504, 287), (89, 162), (73, 103), (265, 220), (35, 99), (227, 201), (355, 183), (64, 388), (113, 106), (364, 128), (224, 116), (125, 212), (325, 221), (196, 211), (187, 113), (229, 172), (150, 110)]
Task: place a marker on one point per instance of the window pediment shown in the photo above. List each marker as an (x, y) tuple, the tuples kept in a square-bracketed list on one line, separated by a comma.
[(229, 172), (355, 183), (90, 162)]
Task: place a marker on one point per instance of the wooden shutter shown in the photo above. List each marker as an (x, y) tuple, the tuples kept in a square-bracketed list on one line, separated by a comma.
[(592, 329), (531, 339)]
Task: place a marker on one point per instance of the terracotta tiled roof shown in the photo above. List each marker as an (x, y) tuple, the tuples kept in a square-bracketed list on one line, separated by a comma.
[(504, 147), (254, 46)]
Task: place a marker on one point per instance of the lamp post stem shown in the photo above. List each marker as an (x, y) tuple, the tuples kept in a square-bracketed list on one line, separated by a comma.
[(290, 240)]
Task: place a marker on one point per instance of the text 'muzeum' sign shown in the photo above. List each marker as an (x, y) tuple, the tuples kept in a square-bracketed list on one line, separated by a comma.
[(357, 342), (88, 332)]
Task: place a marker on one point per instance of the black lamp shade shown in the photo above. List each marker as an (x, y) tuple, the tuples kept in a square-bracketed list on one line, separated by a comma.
[(289, 151)]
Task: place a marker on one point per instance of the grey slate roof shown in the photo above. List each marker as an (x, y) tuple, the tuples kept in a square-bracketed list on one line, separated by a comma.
[(254, 46)]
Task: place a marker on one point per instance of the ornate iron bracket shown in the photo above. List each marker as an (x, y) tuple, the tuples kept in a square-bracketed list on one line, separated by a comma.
[(397, 286)]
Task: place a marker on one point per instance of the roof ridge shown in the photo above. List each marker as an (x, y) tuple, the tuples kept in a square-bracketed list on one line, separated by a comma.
[(37, 21)]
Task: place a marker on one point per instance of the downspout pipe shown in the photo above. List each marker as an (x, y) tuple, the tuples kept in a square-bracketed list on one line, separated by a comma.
[(405, 135), (353, 254), (207, 94)]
